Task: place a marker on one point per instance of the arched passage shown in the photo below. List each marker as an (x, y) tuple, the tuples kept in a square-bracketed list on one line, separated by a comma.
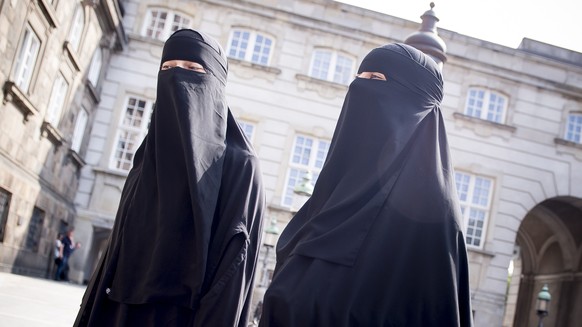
[(549, 251)]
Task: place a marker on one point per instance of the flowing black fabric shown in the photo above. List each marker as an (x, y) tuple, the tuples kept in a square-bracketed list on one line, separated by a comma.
[(186, 236), (379, 243)]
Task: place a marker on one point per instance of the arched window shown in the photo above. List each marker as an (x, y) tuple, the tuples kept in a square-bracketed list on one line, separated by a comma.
[(250, 46), (331, 66), (77, 28), (486, 104), (161, 23), (95, 68)]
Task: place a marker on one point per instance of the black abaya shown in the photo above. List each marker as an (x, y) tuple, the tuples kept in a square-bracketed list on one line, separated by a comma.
[(379, 243), (184, 246)]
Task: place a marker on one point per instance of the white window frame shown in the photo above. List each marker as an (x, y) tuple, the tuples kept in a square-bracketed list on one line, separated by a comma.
[(79, 131), (57, 100), (95, 67), (247, 128), (122, 158), (315, 160), (26, 59), (249, 50), (573, 131), (475, 235), (77, 26), (169, 25), (332, 73), (485, 108)]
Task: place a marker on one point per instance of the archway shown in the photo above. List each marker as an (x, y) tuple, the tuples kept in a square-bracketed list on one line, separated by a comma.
[(548, 251)]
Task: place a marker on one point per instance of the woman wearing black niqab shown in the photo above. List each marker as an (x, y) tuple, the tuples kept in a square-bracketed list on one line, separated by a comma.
[(184, 245), (379, 242)]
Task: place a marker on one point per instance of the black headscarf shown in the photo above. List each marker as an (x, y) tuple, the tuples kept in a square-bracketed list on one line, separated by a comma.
[(379, 242), (189, 222)]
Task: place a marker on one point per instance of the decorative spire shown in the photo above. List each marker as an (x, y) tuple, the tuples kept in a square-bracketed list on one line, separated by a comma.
[(426, 39)]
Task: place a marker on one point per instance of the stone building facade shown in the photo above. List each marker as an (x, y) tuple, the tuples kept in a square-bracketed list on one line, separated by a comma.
[(513, 116), (51, 59)]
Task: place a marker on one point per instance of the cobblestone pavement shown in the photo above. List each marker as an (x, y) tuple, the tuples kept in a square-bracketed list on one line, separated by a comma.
[(34, 302)]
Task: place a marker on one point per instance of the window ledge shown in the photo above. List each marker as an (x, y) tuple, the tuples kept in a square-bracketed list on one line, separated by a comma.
[(72, 55), (93, 91), (13, 93), (49, 13), (324, 88), (52, 134), (108, 171), (248, 64), (480, 251), (76, 158), (569, 147), (484, 127)]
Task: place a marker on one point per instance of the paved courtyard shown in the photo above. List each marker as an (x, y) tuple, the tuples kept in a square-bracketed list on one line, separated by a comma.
[(34, 302)]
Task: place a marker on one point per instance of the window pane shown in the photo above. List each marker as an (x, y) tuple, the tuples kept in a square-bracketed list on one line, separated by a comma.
[(320, 64), (239, 44), (133, 127), (343, 70), (26, 59), (57, 100), (475, 103), (79, 131), (247, 128), (496, 108), (77, 28), (261, 50), (95, 68), (4, 207), (475, 227), (308, 155), (157, 21), (180, 23), (481, 191), (462, 181), (35, 229), (574, 128)]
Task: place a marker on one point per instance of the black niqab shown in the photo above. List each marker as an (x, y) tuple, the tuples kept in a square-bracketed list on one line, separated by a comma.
[(379, 242), (187, 232)]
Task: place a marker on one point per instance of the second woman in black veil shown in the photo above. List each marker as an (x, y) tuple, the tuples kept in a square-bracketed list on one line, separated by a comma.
[(379, 243)]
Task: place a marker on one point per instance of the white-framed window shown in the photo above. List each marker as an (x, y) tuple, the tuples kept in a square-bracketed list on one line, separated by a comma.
[(486, 104), (247, 128), (26, 59), (250, 46), (308, 155), (475, 194), (331, 66), (161, 23), (133, 126), (574, 128), (95, 67), (77, 28), (57, 100), (79, 131)]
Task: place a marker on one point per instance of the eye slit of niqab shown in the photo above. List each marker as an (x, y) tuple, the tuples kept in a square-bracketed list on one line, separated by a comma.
[(372, 75), (184, 64)]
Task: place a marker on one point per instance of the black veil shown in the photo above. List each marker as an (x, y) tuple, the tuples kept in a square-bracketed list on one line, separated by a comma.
[(379, 242)]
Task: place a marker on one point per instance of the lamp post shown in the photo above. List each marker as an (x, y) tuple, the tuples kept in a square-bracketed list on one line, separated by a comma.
[(542, 305), (271, 233), (303, 191)]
